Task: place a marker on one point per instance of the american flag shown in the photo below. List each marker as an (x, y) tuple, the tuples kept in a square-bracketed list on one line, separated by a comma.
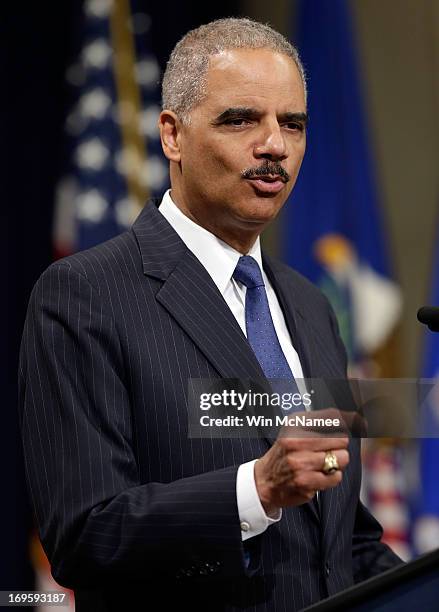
[(114, 157)]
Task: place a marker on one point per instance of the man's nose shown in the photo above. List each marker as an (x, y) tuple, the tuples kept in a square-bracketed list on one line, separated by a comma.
[(271, 144)]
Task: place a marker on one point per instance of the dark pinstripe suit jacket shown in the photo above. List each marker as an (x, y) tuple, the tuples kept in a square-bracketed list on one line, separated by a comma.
[(129, 509)]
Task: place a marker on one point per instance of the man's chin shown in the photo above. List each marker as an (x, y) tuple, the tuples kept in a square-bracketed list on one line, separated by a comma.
[(260, 213), (267, 205)]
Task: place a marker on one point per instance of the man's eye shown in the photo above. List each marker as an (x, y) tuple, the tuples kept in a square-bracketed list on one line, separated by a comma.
[(237, 121), (298, 127)]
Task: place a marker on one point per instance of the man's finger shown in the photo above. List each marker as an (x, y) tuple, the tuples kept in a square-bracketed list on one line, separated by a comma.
[(341, 455), (313, 461)]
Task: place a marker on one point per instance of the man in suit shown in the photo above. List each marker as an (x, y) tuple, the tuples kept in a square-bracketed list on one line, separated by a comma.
[(130, 509)]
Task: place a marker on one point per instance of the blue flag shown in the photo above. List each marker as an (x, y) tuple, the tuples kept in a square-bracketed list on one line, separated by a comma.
[(333, 230), (426, 529), (114, 157)]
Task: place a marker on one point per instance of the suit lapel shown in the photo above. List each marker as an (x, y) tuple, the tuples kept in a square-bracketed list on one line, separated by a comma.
[(191, 297)]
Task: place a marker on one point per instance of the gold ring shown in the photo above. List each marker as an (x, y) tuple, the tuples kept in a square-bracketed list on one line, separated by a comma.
[(330, 464)]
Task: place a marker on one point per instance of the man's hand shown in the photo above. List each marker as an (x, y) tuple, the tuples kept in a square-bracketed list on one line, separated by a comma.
[(290, 473)]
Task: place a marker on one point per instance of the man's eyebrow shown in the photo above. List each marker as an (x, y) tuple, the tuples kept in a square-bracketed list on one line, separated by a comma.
[(245, 112), (237, 111), (299, 117)]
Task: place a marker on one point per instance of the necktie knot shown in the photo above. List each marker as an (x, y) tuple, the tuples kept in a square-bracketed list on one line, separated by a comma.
[(248, 272)]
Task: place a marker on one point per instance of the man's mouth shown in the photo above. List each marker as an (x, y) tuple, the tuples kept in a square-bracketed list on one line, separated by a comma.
[(268, 183)]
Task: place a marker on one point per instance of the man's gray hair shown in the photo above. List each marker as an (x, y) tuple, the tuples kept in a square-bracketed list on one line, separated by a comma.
[(185, 78)]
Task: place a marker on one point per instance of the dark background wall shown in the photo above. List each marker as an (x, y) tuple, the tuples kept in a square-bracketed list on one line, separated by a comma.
[(33, 101)]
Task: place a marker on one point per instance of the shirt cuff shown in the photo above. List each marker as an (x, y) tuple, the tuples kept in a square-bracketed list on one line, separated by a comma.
[(252, 516)]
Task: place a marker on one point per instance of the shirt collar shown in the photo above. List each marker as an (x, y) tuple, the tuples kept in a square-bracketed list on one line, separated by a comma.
[(217, 257)]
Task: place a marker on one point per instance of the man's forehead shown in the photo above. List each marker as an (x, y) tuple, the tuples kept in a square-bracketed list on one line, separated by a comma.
[(242, 57), (248, 77)]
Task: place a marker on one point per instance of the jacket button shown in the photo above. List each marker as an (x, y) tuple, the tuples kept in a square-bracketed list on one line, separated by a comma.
[(327, 569)]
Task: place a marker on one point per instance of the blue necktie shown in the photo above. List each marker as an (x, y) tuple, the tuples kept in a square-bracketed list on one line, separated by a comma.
[(261, 333)]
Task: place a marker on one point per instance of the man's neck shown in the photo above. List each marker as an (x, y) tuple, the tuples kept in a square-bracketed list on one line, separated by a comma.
[(238, 238)]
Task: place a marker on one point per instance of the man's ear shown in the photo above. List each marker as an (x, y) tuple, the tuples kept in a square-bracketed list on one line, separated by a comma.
[(170, 131)]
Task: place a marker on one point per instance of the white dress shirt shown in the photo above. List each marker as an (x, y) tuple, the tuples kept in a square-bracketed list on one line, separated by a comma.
[(220, 261)]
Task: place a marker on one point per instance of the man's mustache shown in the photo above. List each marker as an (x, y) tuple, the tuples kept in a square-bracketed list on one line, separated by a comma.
[(273, 169)]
